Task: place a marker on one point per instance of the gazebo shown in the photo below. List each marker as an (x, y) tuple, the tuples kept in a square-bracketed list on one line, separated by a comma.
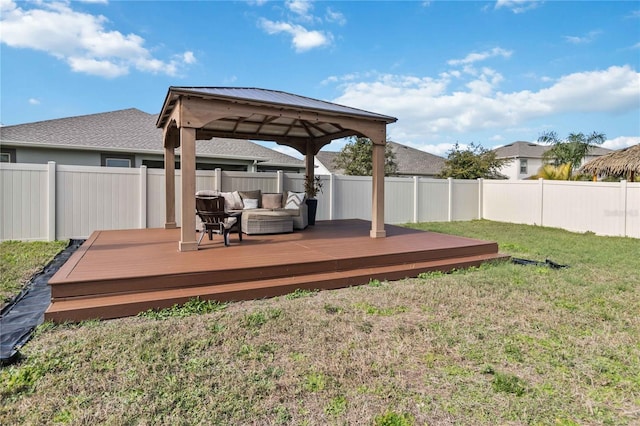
[(622, 163), (305, 124)]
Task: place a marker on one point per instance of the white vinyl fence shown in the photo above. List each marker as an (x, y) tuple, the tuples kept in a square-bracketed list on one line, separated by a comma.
[(47, 202)]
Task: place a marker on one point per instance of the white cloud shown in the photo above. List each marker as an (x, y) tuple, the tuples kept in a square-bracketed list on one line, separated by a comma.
[(34, 101), (80, 39), (97, 67), (189, 58), (481, 56), (302, 39), (621, 142), (334, 16), (518, 6), (301, 8), (588, 38), (428, 107)]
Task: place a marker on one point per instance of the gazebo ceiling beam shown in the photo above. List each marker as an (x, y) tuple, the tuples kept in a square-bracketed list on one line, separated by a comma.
[(198, 113)]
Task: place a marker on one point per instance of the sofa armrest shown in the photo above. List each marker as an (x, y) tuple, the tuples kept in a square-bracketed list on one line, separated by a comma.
[(301, 221)]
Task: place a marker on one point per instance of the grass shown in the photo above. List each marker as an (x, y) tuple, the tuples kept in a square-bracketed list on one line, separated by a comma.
[(20, 260), (499, 344)]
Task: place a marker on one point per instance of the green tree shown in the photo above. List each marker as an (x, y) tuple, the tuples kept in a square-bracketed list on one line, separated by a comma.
[(571, 150), (356, 158), (472, 163)]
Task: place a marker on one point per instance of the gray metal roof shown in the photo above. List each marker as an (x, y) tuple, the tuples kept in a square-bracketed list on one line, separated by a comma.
[(411, 161), (270, 97), (129, 130)]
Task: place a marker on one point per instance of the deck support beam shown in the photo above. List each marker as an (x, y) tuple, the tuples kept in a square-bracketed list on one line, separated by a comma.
[(170, 187), (377, 208)]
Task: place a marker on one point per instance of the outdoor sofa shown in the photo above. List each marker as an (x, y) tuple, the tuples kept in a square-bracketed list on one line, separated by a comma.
[(266, 213)]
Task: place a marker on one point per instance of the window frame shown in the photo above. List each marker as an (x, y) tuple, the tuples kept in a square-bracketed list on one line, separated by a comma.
[(524, 164), (105, 157), (8, 153)]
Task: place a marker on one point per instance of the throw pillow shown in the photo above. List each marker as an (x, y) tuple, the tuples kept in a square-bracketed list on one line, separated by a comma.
[(252, 195), (232, 200), (250, 203), (294, 200), (272, 201)]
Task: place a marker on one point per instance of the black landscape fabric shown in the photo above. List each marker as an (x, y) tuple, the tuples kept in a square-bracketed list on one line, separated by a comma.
[(25, 312)]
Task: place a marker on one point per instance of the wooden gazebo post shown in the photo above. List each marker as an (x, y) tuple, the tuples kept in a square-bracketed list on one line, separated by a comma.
[(188, 241)]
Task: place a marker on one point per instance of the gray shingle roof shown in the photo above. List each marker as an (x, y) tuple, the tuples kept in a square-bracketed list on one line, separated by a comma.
[(129, 130), (326, 158), (415, 162), (521, 149), (411, 161)]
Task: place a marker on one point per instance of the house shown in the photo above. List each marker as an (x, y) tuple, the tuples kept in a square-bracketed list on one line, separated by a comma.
[(410, 161), (128, 138), (527, 158)]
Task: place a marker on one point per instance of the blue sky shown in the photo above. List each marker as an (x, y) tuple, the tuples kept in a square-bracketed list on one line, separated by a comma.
[(450, 71)]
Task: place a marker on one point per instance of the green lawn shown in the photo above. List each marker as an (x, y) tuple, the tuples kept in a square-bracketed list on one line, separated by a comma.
[(20, 260), (500, 344)]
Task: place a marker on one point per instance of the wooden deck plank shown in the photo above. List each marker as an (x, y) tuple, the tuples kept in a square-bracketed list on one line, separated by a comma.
[(333, 253)]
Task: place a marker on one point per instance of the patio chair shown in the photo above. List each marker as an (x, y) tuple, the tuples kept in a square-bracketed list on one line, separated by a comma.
[(210, 210)]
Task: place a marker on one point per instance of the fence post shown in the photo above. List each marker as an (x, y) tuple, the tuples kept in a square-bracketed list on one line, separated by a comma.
[(623, 202), (541, 188), (332, 182), (450, 201), (51, 201), (280, 181), (143, 197), (480, 198), (416, 199), (217, 175)]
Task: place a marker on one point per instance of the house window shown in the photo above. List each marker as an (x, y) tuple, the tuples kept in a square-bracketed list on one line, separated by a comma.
[(7, 155), (523, 167), (116, 160)]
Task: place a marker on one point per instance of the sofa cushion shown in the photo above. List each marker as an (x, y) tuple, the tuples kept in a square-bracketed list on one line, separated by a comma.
[(207, 193), (252, 195), (250, 203), (294, 200), (271, 201)]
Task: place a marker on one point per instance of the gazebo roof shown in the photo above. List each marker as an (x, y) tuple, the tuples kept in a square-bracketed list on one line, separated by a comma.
[(271, 115), (617, 163)]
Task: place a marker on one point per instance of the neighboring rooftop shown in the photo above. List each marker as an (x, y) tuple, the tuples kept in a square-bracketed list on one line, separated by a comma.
[(414, 162), (522, 149), (129, 130), (411, 161)]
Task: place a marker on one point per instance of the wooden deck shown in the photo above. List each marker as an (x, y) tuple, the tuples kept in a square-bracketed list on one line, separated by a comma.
[(120, 273)]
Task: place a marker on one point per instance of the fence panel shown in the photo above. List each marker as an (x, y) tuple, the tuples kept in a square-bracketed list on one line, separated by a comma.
[(584, 206), (433, 200), (398, 200), (511, 201), (465, 200), (633, 210), (243, 181), (352, 197), (92, 198), (24, 209)]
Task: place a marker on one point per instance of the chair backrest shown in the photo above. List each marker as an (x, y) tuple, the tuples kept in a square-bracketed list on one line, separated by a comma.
[(210, 209)]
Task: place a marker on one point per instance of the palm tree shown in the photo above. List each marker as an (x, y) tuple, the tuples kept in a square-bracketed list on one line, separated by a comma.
[(571, 150), (551, 172)]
